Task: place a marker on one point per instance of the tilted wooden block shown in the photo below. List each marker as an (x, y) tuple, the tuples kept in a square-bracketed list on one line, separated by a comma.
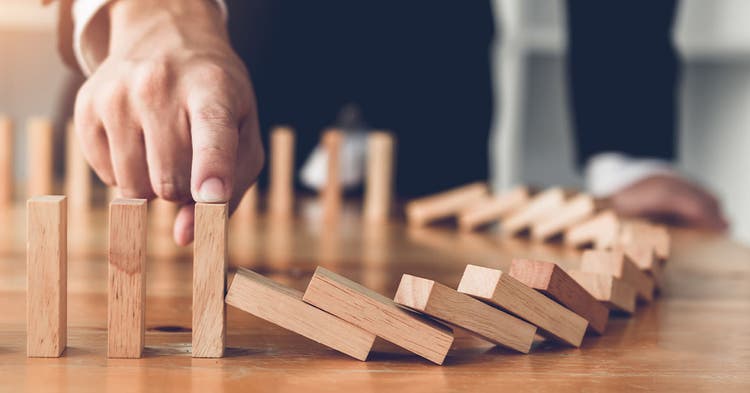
[(283, 306), (209, 280), (611, 291), (7, 181), (379, 315), (47, 276), (422, 211), (448, 305), (570, 213), (379, 186), (539, 206), (646, 234), (642, 255), (492, 208), (553, 281), (601, 231), (615, 263), (126, 306), (40, 141), (331, 193), (500, 289)]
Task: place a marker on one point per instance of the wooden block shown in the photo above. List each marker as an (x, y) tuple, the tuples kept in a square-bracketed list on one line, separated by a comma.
[(275, 303), (601, 231), (247, 210), (645, 234), (331, 194), (126, 325), (162, 214), (281, 177), (47, 276), (77, 172), (7, 181), (615, 263), (40, 159), (570, 213), (379, 315), (539, 206), (611, 291), (492, 209), (379, 186), (500, 289), (448, 305), (551, 280), (209, 280), (422, 211)]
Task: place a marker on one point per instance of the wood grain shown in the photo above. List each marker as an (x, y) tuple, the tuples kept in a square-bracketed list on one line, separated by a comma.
[(539, 206), (379, 185), (281, 172), (570, 213), (492, 209), (615, 263), (7, 179), (611, 291), (40, 157), (423, 211)]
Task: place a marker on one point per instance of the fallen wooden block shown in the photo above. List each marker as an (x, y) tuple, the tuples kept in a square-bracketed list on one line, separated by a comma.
[(642, 255), (379, 186), (539, 206), (379, 315), (611, 291), (601, 231), (281, 172), (47, 277), (644, 233), (551, 280), (492, 208), (422, 211), (448, 305), (126, 305), (615, 263), (570, 213), (40, 164), (7, 180), (283, 306), (500, 289)]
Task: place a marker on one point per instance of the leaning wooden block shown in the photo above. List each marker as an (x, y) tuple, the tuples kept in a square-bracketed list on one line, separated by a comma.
[(379, 315), (600, 231), (615, 263), (422, 211), (47, 277), (572, 212), (539, 206), (492, 209), (611, 291), (551, 280), (209, 280), (283, 306), (448, 305), (126, 322), (498, 288), (642, 255), (645, 234)]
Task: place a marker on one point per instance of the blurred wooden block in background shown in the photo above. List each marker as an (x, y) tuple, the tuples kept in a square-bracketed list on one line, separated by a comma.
[(283, 306), (541, 205), (281, 176), (492, 209), (40, 139), (379, 315), (126, 326), (615, 263), (500, 289), (47, 276), (7, 179), (247, 210), (331, 193), (78, 187), (601, 231), (448, 305), (379, 185), (425, 210), (611, 291), (575, 210)]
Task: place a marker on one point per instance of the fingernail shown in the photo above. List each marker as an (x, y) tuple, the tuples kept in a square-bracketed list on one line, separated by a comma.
[(212, 190)]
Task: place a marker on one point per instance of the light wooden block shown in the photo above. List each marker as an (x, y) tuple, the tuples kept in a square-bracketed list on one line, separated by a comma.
[(422, 211), (500, 289), (575, 210), (379, 185), (645, 234), (40, 138), (331, 194), (448, 305), (601, 231), (551, 280), (492, 209), (283, 306), (7, 181), (247, 210), (379, 315), (209, 280), (542, 204), (281, 175), (126, 325), (77, 172), (611, 291), (615, 263), (47, 276)]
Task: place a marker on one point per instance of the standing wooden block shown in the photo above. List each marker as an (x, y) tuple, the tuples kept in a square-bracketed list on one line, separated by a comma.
[(492, 209), (615, 263), (601, 231), (378, 315), (7, 181), (126, 327), (40, 159), (572, 212), (379, 186), (77, 172), (275, 303), (497, 288), (551, 280), (450, 306), (281, 184), (611, 291), (47, 276), (247, 210), (539, 206), (331, 194), (422, 211), (209, 280)]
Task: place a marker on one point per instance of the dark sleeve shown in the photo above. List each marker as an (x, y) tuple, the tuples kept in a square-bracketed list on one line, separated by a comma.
[(623, 76)]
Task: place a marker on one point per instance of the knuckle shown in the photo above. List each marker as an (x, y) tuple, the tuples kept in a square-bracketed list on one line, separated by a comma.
[(113, 101), (215, 113), (151, 79), (133, 191), (170, 189)]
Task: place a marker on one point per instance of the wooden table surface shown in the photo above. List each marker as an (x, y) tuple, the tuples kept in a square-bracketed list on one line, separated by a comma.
[(695, 337)]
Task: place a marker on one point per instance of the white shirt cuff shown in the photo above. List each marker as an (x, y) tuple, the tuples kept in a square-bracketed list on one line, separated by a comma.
[(608, 173)]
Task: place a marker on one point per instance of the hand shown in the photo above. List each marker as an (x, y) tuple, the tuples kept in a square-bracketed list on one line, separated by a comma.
[(171, 111), (671, 199)]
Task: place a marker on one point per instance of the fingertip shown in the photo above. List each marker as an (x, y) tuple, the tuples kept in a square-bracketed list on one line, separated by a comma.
[(212, 190)]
